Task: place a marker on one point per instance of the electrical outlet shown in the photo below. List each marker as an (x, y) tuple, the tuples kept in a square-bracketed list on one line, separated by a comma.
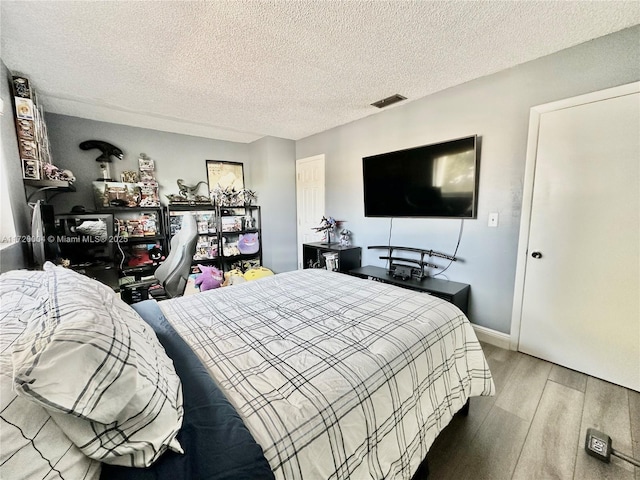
[(493, 219), (598, 445)]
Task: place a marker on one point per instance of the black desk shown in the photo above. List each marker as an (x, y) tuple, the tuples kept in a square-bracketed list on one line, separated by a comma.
[(453, 292), (104, 273)]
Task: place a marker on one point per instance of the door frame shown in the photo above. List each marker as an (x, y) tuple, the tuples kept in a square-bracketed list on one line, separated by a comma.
[(528, 186)]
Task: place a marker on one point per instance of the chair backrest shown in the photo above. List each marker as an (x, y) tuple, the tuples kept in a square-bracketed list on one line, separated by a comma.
[(174, 271)]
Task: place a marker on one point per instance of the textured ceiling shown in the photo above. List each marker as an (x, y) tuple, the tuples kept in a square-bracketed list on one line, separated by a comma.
[(240, 70)]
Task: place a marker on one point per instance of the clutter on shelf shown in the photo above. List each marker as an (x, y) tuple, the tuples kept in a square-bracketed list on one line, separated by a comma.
[(104, 159), (148, 184), (144, 225), (141, 193), (33, 139)]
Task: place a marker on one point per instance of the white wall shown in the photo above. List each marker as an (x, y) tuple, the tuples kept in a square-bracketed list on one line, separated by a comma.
[(497, 109), (15, 215)]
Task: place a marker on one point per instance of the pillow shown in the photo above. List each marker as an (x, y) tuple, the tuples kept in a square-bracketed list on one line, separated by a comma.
[(98, 369), (32, 445)]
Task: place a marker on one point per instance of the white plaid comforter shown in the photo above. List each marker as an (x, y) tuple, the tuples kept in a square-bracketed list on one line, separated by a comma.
[(336, 377)]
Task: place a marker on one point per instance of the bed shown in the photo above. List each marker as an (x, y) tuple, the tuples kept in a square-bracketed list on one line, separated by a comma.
[(308, 374)]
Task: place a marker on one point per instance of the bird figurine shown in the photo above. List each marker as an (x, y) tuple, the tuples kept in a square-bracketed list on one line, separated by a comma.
[(108, 151)]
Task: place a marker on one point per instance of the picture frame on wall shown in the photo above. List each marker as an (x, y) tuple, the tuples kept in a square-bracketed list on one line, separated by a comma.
[(226, 181), (225, 175)]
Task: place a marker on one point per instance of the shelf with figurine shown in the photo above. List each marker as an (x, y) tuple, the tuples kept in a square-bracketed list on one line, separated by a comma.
[(240, 234), (340, 256), (140, 239), (206, 216), (136, 189), (228, 236), (38, 171)]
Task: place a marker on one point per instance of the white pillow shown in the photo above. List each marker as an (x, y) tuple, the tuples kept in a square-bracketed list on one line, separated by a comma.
[(32, 445), (98, 369)]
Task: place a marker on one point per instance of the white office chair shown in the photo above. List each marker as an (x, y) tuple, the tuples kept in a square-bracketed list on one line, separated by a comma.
[(170, 278)]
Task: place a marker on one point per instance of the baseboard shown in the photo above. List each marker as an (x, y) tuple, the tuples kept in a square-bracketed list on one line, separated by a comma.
[(492, 337)]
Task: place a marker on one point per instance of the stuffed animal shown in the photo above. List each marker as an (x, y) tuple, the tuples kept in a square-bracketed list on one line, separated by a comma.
[(209, 279), (248, 243), (233, 277), (256, 273)]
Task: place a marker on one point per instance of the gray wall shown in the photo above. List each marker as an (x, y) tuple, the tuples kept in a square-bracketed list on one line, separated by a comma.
[(176, 156), (269, 169), (497, 109), (272, 175), (14, 256)]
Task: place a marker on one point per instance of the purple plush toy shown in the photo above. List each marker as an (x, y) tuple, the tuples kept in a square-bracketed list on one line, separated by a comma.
[(209, 279)]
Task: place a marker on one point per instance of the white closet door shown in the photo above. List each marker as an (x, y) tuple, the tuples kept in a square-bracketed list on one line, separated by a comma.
[(309, 199), (581, 288)]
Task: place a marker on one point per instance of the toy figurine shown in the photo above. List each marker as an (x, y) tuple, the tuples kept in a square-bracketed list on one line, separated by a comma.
[(345, 238), (108, 151)]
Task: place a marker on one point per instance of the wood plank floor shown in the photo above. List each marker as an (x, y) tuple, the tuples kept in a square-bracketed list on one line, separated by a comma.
[(535, 426)]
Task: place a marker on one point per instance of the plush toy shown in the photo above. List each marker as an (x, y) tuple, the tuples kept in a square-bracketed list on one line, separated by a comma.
[(209, 279), (256, 273), (233, 277), (248, 243)]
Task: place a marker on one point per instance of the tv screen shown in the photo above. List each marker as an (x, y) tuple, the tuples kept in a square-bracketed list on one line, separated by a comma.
[(438, 180)]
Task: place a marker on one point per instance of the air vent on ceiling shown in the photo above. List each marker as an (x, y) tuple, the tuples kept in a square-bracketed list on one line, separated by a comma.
[(385, 102)]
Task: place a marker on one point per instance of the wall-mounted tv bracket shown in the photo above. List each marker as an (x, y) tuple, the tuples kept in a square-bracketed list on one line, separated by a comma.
[(404, 271)]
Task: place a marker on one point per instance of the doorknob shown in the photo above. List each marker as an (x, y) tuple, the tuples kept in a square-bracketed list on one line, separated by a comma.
[(536, 255)]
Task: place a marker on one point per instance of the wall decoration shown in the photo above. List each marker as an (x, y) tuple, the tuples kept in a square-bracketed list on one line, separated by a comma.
[(226, 180)]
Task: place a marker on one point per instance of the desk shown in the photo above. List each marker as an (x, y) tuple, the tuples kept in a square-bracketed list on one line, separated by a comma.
[(104, 273), (453, 292)]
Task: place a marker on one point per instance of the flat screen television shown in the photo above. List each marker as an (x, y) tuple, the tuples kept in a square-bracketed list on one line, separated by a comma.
[(431, 181)]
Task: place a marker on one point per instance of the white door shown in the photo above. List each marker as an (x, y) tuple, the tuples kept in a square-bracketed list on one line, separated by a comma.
[(580, 258), (309, 200)]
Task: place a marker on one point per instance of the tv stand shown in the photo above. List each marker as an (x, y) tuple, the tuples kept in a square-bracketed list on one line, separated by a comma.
[(452, 292)]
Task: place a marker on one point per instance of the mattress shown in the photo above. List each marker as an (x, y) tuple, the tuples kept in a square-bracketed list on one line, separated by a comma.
[(335, 377)]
